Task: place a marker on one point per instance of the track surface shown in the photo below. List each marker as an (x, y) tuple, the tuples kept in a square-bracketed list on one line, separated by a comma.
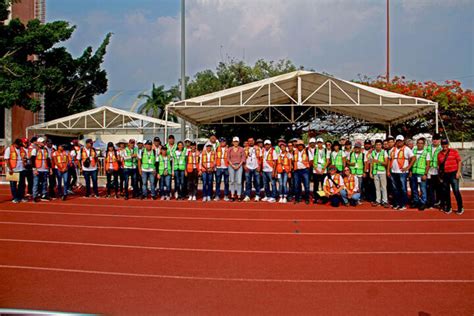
[(176, 257)]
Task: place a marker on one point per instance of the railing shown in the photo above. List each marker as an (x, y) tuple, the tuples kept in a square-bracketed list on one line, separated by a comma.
[(467, 168)]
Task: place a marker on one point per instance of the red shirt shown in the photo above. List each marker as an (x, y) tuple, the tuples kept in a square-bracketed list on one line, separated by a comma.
[(451, 164)]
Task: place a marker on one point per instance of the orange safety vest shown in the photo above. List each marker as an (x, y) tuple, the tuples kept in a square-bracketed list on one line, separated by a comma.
[(349, 182), (283, 163), (328, 185), (41, 157), (77, 149), (192, 160), (269, 159), (304, 158), (13, 161), (61, 160), (92, 156), (219, 156), (257, 153), (400, 157), (204, 160), (111, 158)]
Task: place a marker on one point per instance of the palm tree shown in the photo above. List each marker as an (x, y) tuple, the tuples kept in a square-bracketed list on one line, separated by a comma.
[(156, 102)]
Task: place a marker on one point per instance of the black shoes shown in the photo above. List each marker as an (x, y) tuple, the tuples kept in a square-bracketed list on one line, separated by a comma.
[(459, 211)]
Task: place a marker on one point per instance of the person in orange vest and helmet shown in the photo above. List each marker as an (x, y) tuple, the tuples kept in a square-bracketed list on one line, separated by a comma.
[(41, 170), (88, 156), (61, 162), (16, 157), (208, 165), (112, 161)]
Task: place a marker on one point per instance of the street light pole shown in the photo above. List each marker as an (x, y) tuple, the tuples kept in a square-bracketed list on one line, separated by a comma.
[(388, 42), (183, 65)]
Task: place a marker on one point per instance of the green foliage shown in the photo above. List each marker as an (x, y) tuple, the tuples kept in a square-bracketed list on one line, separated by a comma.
[(156, 102)]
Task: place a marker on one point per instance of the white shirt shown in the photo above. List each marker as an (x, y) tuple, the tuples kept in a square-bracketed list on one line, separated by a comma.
[(408, 154), (19, 163), (251, 161), (299, 162), (44, 164), (331, 185), (266, 166), (356, 185), (311, 152), (194, 155), (88, 154)]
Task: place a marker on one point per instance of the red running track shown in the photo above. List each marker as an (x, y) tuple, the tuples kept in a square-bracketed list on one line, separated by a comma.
[(176, 257)]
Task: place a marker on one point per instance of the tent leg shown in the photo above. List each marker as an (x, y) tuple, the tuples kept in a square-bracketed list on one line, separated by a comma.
[(166, 124), (436, 117), (389, 129)]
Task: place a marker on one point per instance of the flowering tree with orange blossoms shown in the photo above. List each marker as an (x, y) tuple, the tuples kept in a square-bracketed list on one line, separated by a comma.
[(456, 105)]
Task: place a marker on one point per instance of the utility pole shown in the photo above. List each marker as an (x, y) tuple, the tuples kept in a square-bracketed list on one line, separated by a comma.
[(183, 65), (387, 75)]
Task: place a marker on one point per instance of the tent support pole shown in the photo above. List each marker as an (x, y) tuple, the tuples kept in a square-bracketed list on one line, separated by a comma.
[(389, 129), (166, 123), (436, 117)]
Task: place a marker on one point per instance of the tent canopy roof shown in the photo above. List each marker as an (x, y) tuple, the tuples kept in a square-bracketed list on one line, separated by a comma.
[(288, 97), (105, 119)]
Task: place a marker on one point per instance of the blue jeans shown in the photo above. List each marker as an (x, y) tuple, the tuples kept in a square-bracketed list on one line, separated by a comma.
[(219, 174), (355, 197), (40, 184), (282, 184), (88, 175), (414, 184), (130, 173), (249, 174), (61, 179), (207, 184), (450, 181), (18, 188), (148, 176), (301, 177), (165, 185), (399, 186), (267, 179), (179, 182)]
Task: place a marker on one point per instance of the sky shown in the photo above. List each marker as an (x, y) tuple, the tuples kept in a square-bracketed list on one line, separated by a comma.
[(430, 39)]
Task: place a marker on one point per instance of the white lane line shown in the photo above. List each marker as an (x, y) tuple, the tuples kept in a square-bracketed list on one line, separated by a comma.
[(68, 243), (234, 232), (243, 219), (195, 278)]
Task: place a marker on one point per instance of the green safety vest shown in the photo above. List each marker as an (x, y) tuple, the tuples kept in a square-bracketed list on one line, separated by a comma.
[(148, 159), (337, 161), (179, 163), (377, 160), (277, 149), (131, 162), (316, 158), (419, 167), (434, 155), (358, 169), (171, 149), (162, 167)]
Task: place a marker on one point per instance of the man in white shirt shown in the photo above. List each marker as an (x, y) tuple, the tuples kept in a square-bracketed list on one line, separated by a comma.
[(253, 156), (41, 170), (89, 159), (269, 171), (401, 160), (15, 157), (222, 169)]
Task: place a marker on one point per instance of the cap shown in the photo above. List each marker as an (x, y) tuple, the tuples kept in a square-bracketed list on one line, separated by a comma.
[(332, 167), (24, 140), (358, 145), (319, 140), (400, 137), (299, 142), (282, 144), (140, 142), (208, 145), (148, 142), (235, 139), (293, 140), (122, 141), (89, 141), (131, 141), (312, 140), (348, 142), (40, 140), (436, 136), (187, 140), (368, 141), (193, 143), (267, 142), (444, 142), (259, 140), (222, 139), (156, 139)]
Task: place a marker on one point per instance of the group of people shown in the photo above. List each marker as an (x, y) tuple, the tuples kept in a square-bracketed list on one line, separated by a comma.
[(341, 173)]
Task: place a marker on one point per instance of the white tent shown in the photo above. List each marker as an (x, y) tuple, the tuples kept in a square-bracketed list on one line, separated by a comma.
[(101, 120), (294, 97)]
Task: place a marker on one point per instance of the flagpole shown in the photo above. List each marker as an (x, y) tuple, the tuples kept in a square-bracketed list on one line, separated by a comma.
[(183, 65), (388, 41)]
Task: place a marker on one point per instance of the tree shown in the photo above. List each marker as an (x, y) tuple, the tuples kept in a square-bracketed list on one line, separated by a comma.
[(156, 102)]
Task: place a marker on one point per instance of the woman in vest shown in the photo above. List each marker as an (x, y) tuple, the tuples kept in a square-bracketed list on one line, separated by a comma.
[(269, 158), (378, 172), (165, 172), (89, 168), (41, 169), (179, 168), (146, 167), (112, 166), (222, 169), (419, 174), (351, 193), (320, 162), (208, 164), (338, 159), (356, 161), (192, 171), (61, 162), (130, 171), (16, 157), (283, 171), (333, 185), (301, 172)]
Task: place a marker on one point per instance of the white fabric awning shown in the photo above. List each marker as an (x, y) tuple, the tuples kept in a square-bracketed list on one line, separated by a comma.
[(294, 97), (105, 120)]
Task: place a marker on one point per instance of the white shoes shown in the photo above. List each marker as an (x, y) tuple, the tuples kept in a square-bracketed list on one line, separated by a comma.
[(162, 198), (271, 200), (204, 199), (194, 198), (217, 199), (190, 198), (246, 199), (283, 200), (257, 198), (226, 198), (265, 199)]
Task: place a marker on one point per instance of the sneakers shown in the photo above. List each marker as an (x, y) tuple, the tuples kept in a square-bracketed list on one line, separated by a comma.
[(447, 210), (422, 207), (284, 200), (247, 199), (401, 208), (15, 201), (271, 200), (63, 198), (44, 198), (204, 199), (194, 198), (162, 198), (226, 198), (190, 198), (265, 199), (459, 211), (257, 198), (217, 198)]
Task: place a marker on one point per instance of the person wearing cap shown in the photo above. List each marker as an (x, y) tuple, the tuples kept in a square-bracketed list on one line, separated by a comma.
[(253, 163), (419, 174), (259, 143), (29, 165), (112, 161), (301, 172), (283, 171), (130, 165), (434, 187), (75, 153), (222, 169), (320, 163), (179, 168), (52, 177), (192, 171), (333, 185), (208, 165), (378, 172), (401, 161), (212, 141), (165, 172), (41, 170), (351, 193), (269, 171), (121, 145), (356, 162), (88, 156), (338, 158), (61, 161), (367, 186), (15, 157), (140, 148), (147, 171), (450, 168), (236, 157), (277, 145)]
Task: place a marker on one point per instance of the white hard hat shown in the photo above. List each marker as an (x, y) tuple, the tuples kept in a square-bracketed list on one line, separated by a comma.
[(235, 139), (319, 140), (400, 137), (267, 142), (40, 140), (312, 140)]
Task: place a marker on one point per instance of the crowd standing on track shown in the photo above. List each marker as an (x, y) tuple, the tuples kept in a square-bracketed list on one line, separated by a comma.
[(341, 173)]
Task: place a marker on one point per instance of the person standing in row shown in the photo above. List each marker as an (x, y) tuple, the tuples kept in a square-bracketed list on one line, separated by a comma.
[(433, 184), (283, 171), (320, 163), (356, 161), (165, 172), (419, 174), (301, 172), (236, 157), (179, 167), (192, 171), (450, 167), (112, 164), (73, 171), (378, 172), (41, 169), (222, 169), (16, 157), (269, 158), (338, 158), (61, 163), (130, 160), (89, 167), (208, 164), (252, 165), (146, 167)]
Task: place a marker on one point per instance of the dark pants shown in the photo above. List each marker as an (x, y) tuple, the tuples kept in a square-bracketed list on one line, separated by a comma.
[(368, 188), (450, 181), (18, 188), (122, 180), (52, 185), (30, 179), (318, 180), (301, 178), (71, 177), (88, 176), (249, 175), (165, 185), (192, 182), (268, 179), (207, 184), (61, 178), (222, 173), (399, 186), (130, 174), (179, 182), (112, 182), (434, 190), (335, 200)]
